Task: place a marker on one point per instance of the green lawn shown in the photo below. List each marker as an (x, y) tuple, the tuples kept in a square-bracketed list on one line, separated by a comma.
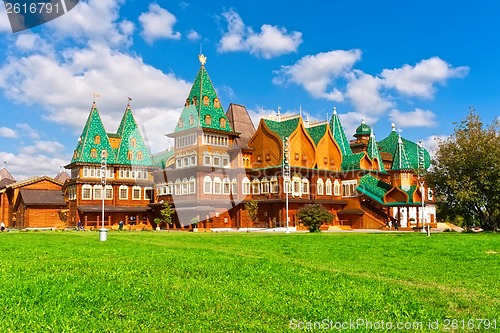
[(186, 282)]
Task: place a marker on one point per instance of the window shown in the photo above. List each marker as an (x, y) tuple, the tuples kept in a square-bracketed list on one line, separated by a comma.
[(265, 185), (234, 186), (195, 100), (226, 186), (133, 142), (193, 160), (246, 186), (328, 187), (192, 185), (296, 186), (336, 187), (207, 185), (170, 188), (205, 100), (123, 194), (97, 192), (187, 102), (180, 123), (93, 153), (274, 185), (109, 192), (222, 123), (217, 185), (185, 162), (305, 186), (216, 160), (225, 162), (184, 186), (208, 120), (207, 159), (216, 103), (320, 187), (97, 140), (177, 187), (349, 188), (139, 156), (148, 193), (130, 155), (255, 186), (136, 193), (86, 192)]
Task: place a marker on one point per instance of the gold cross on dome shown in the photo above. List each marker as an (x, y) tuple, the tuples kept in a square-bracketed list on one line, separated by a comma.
[(203, 59)]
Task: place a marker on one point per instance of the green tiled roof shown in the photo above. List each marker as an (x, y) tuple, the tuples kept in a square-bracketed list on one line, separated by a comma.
[(363, 129), (401, 161), (339, 134), (317, 131), (87, 141), (373, 151), (284, 127), (373, 187), (352, 161), (410, 192), (161, 158), (194, 114), (128, 131), (390, 143)]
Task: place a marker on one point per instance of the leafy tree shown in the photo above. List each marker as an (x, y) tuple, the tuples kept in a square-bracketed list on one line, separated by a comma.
[(313, 216), (166, 214), (466, 174), (253, 209)]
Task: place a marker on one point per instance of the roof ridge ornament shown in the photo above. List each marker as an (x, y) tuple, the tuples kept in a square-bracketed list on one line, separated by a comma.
[(202, 59)]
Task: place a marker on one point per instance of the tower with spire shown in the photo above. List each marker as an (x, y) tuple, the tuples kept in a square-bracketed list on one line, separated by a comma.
[(128, 174)]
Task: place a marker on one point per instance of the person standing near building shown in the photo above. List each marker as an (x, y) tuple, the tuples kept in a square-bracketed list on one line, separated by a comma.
[(2, 226)]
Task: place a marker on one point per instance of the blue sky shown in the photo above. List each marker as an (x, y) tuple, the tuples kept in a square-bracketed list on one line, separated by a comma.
[(417, 64)]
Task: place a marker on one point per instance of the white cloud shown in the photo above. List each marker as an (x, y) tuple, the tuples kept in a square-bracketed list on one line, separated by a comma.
[(4, 20), (25, 165), (271, 42), (417, 118), (27, 130), (96, 20), (363, 90), (420, 80), (351, 120), (44, 147), (30, 42), (193, 35), (158, 23), (432, 142), (317, 72), (7, 132)]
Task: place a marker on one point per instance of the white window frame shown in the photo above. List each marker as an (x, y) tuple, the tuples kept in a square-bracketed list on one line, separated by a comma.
[(110, 197), (146, 196), (245, 188), (207, 185), (134, 191), (97, 192), (328, 187), (217, 186), (264, 183), (336, 187), (274, 185), (320, 187), (305, 186), (255, 186), (87, 188), (192, 185), (123, 187)]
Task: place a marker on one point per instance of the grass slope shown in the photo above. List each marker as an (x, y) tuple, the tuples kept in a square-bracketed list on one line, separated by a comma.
[(185, 282)]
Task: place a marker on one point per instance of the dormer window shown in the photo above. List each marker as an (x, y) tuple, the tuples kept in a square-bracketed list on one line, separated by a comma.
[(195, 101), (133, 142), (206, 100), (216, 103), (130, 155), (139, 156), (222, 123), (180, 124), (187, 102), (208, 120), (93, 153), (97, 139), (191, 120)]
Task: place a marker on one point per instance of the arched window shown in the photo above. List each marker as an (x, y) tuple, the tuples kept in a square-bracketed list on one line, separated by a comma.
[(264, 185), (216, 103), (133, 142), (177, 187), (222, 122), (328, 187), (139, 156), (208, 120), (192, 185), (217, 185), (274, 185), (191, 120), (336, 187), (97, 139), (93, 153), (245, 189), (305, 186), (195, 101), (255, 186), (187, 102), (130, 155), (185, 186), (207, 185), (320, 187), (234, 186), (170, 188), (226, 186), (205, 100)]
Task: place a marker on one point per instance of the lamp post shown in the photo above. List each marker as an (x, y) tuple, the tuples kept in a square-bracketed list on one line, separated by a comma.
[(421, 171), (286, 178), (103, 231)]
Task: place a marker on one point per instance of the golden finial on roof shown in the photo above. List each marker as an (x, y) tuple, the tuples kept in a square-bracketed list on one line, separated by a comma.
[(203, 59)]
